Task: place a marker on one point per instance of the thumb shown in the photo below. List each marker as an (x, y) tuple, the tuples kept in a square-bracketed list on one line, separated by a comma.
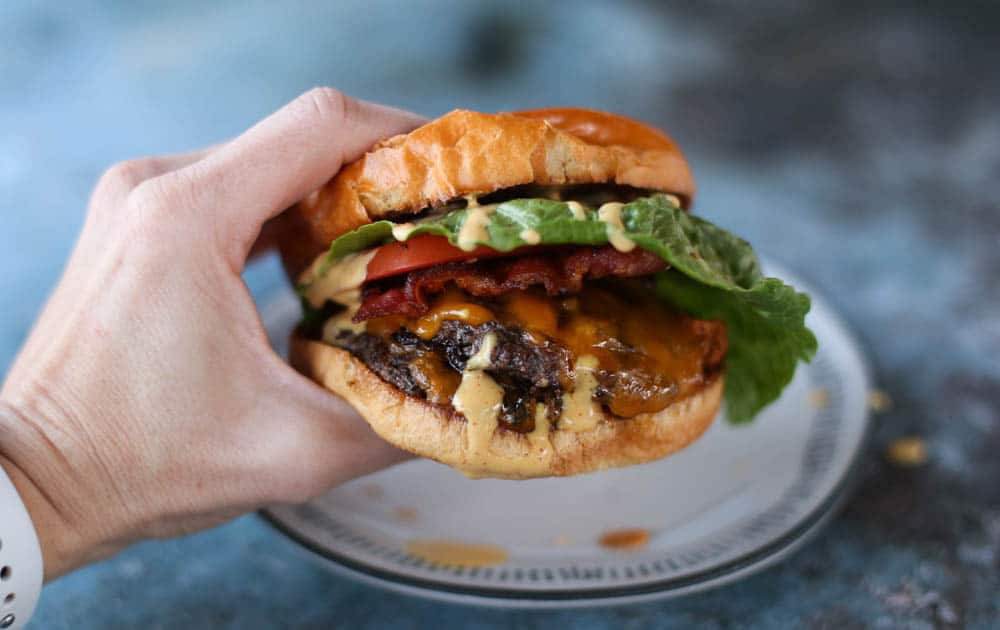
[(315, 439), (282, 159)]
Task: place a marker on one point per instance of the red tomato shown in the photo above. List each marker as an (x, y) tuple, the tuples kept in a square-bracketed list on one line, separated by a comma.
[(421, 252)]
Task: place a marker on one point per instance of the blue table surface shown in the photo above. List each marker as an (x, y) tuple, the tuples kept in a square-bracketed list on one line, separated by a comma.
[(857, 145)]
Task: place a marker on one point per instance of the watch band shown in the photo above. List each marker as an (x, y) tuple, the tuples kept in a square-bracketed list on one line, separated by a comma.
[(21, 570)]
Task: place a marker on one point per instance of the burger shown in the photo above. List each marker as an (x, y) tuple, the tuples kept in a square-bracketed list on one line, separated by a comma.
[(525, 294)]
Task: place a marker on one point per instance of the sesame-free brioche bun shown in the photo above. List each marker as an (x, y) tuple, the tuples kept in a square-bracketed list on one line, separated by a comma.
[(440, 433), (466, 152)]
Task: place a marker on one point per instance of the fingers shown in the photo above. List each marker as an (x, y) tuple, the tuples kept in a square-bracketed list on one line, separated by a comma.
[(315, 440), (283, 158), (124, 177), (339, 426), (267, 239)]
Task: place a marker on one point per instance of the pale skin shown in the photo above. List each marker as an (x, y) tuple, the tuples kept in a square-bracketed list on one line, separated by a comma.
[(147, 402)]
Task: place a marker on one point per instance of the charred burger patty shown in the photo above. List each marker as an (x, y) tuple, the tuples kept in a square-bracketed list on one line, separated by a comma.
[(641, 369)]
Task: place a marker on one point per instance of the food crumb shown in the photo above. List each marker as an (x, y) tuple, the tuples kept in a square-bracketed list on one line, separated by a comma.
[(819, 398), (879, 401), (625, 539), (405, 514), (907, 452), (562, 540)]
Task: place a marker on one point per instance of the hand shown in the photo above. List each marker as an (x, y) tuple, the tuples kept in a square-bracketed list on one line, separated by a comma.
[(147, 401)]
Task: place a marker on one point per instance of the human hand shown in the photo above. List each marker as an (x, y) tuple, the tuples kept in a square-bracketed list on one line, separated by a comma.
[(147, 401)]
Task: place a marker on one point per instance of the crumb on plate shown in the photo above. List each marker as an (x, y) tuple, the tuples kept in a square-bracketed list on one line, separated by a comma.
[(879, 401), (907, 452)]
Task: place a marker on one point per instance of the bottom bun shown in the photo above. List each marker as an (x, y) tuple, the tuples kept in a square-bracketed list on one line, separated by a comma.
[(441, 433)]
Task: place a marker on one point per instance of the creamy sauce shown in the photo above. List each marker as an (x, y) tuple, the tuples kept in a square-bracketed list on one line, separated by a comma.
[(539, 437), (342, 284), (577, 209), (483, 358), (402, 231), (456, 554), (351, 300), (580, 411), (674, 200), (342, 278), (611, 215), (479, 398), (474, 227), (531, 237)]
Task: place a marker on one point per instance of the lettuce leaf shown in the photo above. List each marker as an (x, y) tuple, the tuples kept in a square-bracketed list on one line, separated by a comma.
[(714, 275), (765, 324)]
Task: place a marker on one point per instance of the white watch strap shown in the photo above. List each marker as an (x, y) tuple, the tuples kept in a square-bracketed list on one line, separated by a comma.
[(21, 570)]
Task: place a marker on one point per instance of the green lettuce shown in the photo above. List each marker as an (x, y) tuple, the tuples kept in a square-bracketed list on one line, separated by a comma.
[(714, 275)]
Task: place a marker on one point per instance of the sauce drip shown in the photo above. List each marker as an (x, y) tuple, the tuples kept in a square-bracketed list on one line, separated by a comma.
[(402, 231), (473, 230), (479, 398), (338, 282), (625, 539), (611, 215), (456, 554), (580, 411), (531, 237)]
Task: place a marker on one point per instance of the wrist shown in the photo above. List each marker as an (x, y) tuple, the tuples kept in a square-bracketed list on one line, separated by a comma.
[(47, 528), (42, 476)]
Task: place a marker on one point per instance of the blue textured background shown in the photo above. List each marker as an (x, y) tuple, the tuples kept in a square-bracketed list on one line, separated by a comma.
[(859, 146)]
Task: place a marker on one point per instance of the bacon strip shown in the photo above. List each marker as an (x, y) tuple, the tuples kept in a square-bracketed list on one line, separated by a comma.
[(560, 272)]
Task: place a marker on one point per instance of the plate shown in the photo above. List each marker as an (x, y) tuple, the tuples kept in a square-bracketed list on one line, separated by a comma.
[(736, 501)]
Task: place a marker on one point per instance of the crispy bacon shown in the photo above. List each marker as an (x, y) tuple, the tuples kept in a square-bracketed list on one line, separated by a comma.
[(559, 272)]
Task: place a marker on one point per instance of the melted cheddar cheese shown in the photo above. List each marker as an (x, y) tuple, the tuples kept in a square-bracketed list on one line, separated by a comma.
[(632, 353)]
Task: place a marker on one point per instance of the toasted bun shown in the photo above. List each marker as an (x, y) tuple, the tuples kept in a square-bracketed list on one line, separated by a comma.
[(468, 152), (441, 434)]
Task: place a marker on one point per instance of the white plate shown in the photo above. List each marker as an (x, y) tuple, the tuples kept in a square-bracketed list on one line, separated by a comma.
[(736, 501)]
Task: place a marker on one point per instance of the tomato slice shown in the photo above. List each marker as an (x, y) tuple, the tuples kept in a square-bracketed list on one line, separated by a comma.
[(421, 252)]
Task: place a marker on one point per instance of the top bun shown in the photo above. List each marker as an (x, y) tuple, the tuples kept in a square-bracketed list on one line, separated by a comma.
[(467, 152)]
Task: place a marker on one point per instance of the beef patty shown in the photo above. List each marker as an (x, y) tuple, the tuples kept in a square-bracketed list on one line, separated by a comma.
[(530, 373), (648, 354)]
